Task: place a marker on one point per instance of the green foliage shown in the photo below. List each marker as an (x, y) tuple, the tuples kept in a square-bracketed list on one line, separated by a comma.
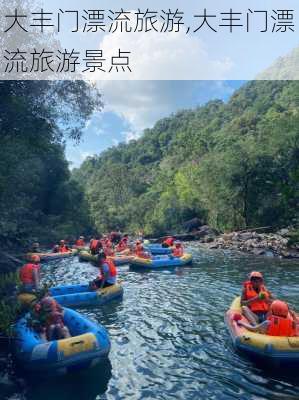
[(233, 165), (38, 199), (9, 308)]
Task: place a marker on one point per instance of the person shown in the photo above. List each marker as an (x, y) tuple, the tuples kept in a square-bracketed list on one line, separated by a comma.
[(168, 242), (139, 251), (63, 248), (49, 319), (95, 245), (108, 272), (56, 248), (255, 299), (280, 321), (30, 276), (80, 242), (35, 248), (178, 251), (115, 237), (123, 244)]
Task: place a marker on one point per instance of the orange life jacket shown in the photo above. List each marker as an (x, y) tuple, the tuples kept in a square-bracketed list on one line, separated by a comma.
[(112, 269), (258, 305), (281, 326), (80, 242), (141, 253), (178, 252), (63, 249), (26, 273), (93, 244), (169, 241)]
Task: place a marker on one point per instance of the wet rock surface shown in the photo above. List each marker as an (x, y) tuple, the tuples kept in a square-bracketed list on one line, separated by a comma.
[(279, 244)]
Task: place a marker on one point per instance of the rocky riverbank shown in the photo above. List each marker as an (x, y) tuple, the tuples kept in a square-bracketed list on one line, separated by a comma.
[(282, 243)]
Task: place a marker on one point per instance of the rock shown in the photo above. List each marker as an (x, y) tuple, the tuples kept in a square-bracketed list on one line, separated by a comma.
[(283, 232), (258, 252), (227, 236), (246, 235), (209, 239), (285, 254), (213, 246), (192, 224)]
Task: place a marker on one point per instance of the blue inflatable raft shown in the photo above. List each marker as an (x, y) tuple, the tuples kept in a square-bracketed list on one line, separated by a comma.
[(157, 262), (157, 249), (81, 295), (88, 345)]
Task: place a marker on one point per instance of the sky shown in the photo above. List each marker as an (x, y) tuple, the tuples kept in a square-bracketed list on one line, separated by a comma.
[(132, 106), (170, 71)]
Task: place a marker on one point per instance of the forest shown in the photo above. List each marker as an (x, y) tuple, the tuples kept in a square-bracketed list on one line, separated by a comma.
[(233, 165), (39, 199)]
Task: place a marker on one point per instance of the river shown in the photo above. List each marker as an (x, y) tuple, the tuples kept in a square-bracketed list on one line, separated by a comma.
[(169, 339)]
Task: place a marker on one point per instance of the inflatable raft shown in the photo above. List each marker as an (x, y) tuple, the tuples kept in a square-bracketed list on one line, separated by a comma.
[(52, 256), (272, 350), (81, 248), (118, 260), (161, 262), (81, 295), (88, 345), (157, 249)]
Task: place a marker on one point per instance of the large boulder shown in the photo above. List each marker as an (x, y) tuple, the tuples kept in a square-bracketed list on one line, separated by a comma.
[(192, 225)]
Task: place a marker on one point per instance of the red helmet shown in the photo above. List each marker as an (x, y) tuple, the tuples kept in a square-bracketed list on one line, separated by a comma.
[(279, 308), (35, 258), (255, 274)]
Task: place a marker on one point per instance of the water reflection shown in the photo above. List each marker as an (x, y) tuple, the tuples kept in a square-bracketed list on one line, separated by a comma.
[(168, 335)]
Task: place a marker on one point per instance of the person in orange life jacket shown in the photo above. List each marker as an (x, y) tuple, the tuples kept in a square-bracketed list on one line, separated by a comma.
[(168, 242), (280, 321), (63, 248), (95, 245), (255, 299), (178, 251), (108, 273), (29, 274), (123, 244), (80, 241), (50, 315), (139, 251)]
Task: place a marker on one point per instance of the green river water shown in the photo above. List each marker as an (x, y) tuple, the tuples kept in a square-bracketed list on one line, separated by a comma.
[(169, 339)]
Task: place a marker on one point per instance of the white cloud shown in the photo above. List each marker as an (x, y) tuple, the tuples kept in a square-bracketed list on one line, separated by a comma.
[(172, 55), (84, 154), (130, 135), (141, 103)]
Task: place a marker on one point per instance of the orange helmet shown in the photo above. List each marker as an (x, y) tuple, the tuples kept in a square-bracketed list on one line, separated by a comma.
[(279, 308), (35, 258), (255, 274)]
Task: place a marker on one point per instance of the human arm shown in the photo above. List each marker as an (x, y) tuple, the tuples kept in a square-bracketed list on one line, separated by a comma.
[(105, 274), (260, 328)]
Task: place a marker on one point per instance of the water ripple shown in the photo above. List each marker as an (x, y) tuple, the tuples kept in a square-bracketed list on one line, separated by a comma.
[(169, 339)]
